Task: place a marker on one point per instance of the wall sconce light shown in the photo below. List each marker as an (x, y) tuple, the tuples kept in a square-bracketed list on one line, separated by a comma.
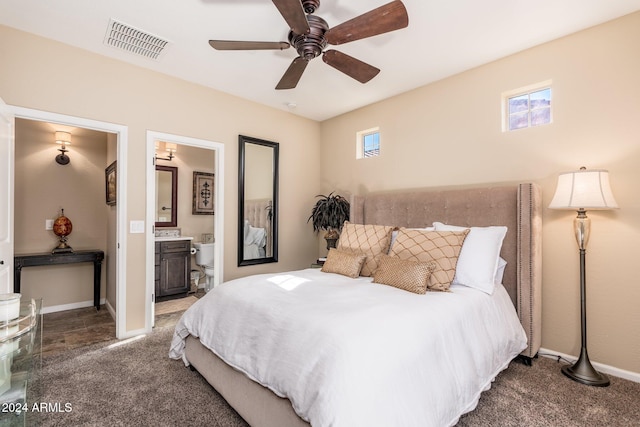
[(63, 138), (169, 147)]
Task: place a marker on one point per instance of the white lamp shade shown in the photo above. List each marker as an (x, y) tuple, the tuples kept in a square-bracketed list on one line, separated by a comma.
[(170, 147), (584, 189), (63, 137)]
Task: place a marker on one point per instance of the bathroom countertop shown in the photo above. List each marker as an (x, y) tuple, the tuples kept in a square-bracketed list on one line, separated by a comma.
[(169, 239)]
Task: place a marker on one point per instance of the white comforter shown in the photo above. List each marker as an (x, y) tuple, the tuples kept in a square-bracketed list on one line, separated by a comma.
[(348, 352)]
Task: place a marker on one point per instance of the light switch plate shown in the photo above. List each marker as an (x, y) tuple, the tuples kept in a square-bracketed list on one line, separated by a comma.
[(48, 224), (136, 227)]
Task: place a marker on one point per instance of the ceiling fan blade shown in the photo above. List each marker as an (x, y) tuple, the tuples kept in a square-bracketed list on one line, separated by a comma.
[(292, 76), (292, 12), (352, 67), (242, 45), (389, 17)]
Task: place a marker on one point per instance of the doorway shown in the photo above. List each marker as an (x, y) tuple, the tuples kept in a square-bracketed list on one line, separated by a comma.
[(119, 133), (189, 222)]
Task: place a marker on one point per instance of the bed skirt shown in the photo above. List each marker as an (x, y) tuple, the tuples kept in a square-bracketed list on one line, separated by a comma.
[(258, 405)]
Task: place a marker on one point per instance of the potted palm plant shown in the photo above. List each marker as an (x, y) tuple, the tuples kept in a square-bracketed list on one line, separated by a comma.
[(329, 214)]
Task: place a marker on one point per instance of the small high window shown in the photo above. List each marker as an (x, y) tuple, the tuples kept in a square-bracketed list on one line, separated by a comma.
[(528, 107), (368, 143)]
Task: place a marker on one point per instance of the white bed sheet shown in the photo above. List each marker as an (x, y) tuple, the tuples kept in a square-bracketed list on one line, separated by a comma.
[(348, 352)]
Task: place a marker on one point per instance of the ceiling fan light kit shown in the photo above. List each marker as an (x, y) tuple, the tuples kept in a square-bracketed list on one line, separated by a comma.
[(309, 35), (310, 6)]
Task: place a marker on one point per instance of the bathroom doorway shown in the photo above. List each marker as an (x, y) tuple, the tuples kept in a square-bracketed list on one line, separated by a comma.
[(116, 137), (179, 221)]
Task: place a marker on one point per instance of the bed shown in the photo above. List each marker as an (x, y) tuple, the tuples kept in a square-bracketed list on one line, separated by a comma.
[(468, 373)]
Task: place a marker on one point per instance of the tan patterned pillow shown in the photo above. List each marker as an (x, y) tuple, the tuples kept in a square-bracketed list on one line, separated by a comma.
[(345, 263), (371, 240), (443, 247), (412, 276)]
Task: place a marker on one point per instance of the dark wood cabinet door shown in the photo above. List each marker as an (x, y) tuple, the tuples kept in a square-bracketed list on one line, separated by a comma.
[(174, 273)]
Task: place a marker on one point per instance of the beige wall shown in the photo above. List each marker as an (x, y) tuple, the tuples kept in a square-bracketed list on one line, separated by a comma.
[(449, 133), (45, 75), (189, 159), (258, 163), (42, 189)]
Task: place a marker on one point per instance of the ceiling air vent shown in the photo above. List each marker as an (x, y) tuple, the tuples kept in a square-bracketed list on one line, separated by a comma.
[(133, 40)]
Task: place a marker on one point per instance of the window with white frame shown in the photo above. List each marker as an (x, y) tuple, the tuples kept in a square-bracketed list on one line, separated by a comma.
[(368, 143), (527, 107)]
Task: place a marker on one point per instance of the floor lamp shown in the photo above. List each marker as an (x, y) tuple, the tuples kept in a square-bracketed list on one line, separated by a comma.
[(583, 190)]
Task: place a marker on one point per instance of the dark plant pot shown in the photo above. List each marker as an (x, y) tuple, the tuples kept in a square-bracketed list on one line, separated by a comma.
[(331, 243)]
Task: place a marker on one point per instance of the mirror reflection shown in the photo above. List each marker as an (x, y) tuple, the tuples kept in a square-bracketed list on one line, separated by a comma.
[(166, 196), (257, 203)]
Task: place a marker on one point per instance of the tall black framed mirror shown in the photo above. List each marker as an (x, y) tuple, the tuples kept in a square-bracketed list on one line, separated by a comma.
[(257, 201), (166, 196)]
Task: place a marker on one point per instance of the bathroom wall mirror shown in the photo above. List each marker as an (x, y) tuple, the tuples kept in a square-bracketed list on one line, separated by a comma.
[(257, 201), (166, 196)]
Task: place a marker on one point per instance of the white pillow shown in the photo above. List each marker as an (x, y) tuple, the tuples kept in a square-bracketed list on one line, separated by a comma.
[(478, 261), (500, 272)]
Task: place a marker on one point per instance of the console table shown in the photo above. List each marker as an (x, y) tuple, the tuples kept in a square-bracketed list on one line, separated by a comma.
[(32, 260)]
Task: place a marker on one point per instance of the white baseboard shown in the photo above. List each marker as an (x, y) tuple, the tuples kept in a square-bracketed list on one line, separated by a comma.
[(133, 334), (72, 306), (110, 308), (607, 369)]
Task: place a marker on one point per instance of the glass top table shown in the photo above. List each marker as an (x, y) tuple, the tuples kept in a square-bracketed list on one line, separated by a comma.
[(20, 364)]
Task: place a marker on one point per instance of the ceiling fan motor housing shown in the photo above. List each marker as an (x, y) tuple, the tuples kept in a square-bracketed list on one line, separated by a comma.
[(312, 44)]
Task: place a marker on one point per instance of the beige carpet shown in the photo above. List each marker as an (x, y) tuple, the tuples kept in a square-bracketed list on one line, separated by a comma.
[(136, 384), (123, 384), (174, 305)]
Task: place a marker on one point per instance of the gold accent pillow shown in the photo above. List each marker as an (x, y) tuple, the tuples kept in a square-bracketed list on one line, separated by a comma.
[(442, 247), (412, 276), (345, 263), (371, 240)]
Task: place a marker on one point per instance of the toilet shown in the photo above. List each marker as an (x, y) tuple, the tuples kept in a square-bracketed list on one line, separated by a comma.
[(204, 258)]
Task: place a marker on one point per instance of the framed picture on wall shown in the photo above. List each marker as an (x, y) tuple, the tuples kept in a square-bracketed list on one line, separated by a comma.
[(203, 193), (110, 180)]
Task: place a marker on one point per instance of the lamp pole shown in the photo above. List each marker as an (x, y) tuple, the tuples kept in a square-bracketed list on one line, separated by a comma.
[(582, 371)]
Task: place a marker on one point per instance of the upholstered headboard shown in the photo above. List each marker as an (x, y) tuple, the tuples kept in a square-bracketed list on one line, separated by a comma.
[(516, 206)]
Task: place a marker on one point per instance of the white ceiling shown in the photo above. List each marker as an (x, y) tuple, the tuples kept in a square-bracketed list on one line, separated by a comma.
[(444, 37)]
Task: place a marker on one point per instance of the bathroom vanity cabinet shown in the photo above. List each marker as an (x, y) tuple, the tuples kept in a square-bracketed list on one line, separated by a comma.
[(172, 267)]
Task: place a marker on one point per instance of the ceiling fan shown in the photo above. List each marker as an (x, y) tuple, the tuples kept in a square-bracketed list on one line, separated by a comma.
[(310, 34)]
